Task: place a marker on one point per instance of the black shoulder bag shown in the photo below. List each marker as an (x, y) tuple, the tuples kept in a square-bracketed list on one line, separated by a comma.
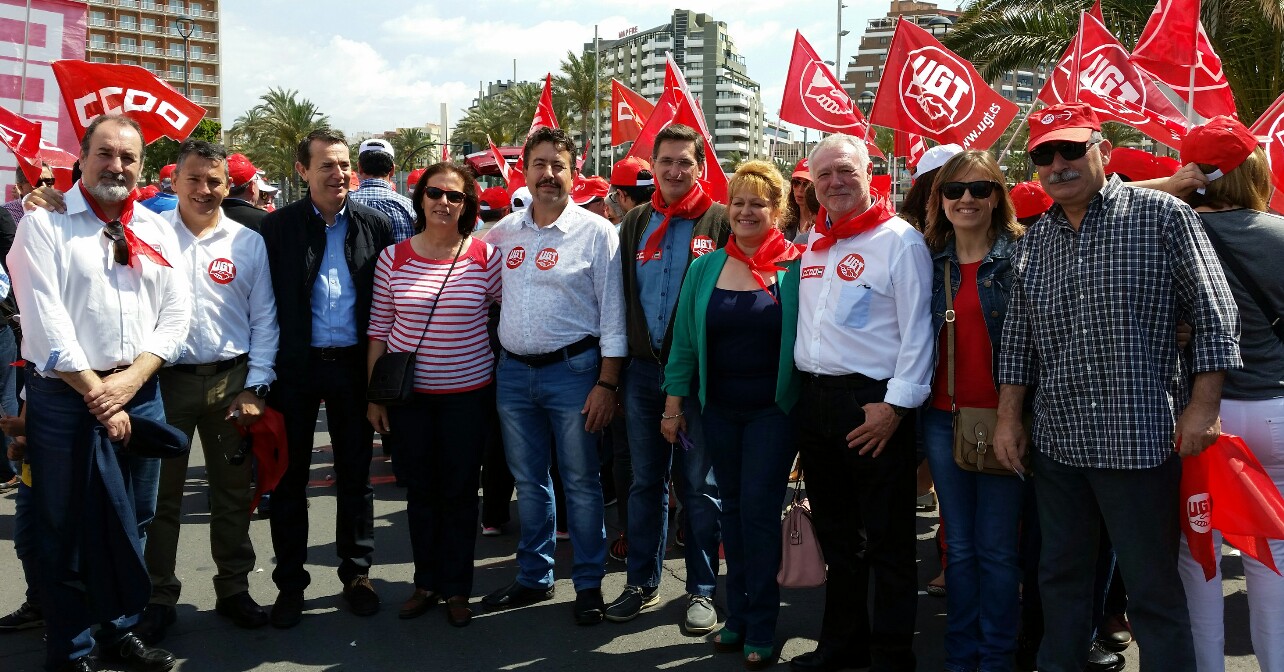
[(1245, 279)]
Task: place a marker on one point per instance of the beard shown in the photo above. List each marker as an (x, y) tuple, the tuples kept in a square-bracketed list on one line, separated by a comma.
[(111, 188)]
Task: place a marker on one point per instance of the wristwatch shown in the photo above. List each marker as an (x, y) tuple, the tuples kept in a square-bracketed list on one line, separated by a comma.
[(260, 391), (900, 411)]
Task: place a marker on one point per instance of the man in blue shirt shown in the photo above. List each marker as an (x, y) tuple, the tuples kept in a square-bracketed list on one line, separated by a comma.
[(165, 200), (375, 167)]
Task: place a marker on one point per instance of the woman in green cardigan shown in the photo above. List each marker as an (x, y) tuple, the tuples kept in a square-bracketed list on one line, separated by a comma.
[(733, 345)]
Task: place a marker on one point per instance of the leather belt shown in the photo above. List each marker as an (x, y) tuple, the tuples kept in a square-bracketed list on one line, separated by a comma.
[(535, 361), (337, 354), (850, 381), (211, 369)]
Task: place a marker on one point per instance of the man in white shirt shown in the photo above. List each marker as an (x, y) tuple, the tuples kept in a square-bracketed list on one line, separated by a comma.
[(102, 311), (864, 348), (220, 381), (562, 330)]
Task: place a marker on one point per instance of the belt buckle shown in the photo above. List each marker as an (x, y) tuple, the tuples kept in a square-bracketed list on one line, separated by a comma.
[(949, 315)]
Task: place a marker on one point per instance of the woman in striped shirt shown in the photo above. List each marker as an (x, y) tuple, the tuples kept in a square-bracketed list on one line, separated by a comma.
[(431, 296)]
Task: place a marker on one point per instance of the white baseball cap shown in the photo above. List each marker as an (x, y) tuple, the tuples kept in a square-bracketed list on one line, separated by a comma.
[(375, 145), (936, 157), (521, 199)]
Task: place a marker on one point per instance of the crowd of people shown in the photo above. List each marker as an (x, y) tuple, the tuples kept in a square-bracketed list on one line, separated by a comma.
[(634, 336)]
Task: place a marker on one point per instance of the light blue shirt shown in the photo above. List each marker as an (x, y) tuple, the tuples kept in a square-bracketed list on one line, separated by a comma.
[(334, 296), (660, 280), (161, 202)]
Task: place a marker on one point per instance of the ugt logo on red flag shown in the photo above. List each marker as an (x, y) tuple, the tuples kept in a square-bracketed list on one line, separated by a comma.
[(1269, 129), (929, 90), (1173, 45), (814, 98), (94, 89)]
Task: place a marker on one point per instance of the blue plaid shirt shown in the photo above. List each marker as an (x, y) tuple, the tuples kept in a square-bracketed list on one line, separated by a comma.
[(1092, 317), (376, 193)]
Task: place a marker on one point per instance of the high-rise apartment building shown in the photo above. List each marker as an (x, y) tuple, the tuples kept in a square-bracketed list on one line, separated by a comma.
[(152, 34)]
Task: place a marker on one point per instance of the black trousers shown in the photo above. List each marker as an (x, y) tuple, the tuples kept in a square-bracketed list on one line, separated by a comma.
[(342, 384), (863, 509)]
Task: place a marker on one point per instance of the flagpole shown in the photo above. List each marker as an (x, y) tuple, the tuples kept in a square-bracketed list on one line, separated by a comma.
[(1190, 93), (1003, 155), (1078, 56), (597, 104)]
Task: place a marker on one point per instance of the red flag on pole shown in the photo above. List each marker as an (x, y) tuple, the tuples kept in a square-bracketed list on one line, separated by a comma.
[(814, 98), (23, 137), (1174, 49), (93, 89), (544, 115), (1269, 130), (677, 105), (1226, 489), (445, 153), (911, 146), (1112, 85), (629, 112), (513, 177), (1095, 12), (929, 90)]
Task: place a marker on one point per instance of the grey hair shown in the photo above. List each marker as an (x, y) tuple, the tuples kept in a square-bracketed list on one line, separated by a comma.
[(1096, 137), (840, 140)]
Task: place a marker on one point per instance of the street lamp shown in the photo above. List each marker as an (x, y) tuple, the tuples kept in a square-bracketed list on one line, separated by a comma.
[(838, 50), (185, 28), (865, 101), (942, 22)]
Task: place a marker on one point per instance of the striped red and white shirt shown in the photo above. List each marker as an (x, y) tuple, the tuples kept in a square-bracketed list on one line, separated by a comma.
[(455, 355)]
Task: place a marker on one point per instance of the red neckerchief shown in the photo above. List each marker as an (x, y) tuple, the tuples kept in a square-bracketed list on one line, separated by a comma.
[(691, 206), (137, 247), (774, 250), (830, 233)]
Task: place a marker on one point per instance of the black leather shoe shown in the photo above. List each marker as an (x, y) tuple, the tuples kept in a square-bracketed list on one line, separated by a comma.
[(827, 660), (517, 595), (131, 653), (154, 623), (1101, 660), (242, 610), (288, 610), (589, 606), (81, 664)]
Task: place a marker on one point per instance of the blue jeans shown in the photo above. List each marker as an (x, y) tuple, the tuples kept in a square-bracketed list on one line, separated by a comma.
[(653, 458), (8, 386), (537, 404), (54, 412), (1139, 508), (982, 515), (752, 452)]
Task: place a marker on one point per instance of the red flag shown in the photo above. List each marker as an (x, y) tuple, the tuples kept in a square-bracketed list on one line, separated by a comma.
[(1269, 130), (927, 89), (1226, 489), (579, 162), (911, 146), (445, 153), (513, 177), (1172, 44), (677, 105), (20, 135), (1112, 85), (23, 137), (544, 115), (1277, 201), (629, 112), (92, 89), (815, 99), (1095, 12)]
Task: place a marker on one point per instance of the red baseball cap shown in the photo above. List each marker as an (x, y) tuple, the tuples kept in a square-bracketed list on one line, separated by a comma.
[(589, 189), (1073, 122), (1134, 164), (413, 178), (494, 198), (1029, 199), (167, 172), (1167, 166), (1221, 141), (802, 170), (632, 172), (240, 171)]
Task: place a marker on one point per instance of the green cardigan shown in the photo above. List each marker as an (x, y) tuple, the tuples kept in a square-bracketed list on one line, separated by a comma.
[(690, 347)]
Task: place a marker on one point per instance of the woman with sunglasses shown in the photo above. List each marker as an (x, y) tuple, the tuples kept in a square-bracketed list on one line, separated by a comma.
[(432, 293), (971, 228), (733, 346)]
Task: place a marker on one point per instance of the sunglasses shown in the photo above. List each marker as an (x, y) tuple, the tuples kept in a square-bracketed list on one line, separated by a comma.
[(119, 245), (242, 451), (979, 189), (45, 182), (1043, 155), (433, 193)]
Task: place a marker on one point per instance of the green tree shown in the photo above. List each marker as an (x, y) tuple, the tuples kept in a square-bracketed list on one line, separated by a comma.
[(583, 93), (270, 132), (164, 151), (488, 118), (414, 146)]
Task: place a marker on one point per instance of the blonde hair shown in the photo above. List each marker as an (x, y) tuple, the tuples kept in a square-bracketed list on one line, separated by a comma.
[(939, 230), (761, 179), (1247, 186)]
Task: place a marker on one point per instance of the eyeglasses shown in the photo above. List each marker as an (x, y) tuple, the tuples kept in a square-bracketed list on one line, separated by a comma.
[(45, 182), (242, 451), (433, 193), (799, 182), (979, 189), (1070, 151), (683, 165), (119, 244)]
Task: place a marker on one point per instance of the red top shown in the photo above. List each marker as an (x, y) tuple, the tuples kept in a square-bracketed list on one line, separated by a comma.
[(973, 354)]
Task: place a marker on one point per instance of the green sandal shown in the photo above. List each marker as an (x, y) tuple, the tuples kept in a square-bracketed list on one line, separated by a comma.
[(766, 655), (726, 641)]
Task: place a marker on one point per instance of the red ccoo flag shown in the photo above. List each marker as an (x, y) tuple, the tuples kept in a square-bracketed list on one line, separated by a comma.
[(1269, 130), (1173, 45), (677, 105), (629, 112), (1112, 85), (927, 89), (544, 115), (93, 89)]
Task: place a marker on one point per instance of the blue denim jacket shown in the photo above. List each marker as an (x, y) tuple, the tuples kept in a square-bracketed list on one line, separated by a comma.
[(994, 281)]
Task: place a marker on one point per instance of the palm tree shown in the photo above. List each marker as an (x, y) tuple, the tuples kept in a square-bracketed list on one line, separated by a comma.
[(583, 91), (270, 132), (488, 118), (408, 143), (1001, 35)]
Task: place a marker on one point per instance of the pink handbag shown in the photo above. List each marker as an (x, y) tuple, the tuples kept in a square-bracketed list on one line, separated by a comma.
[(802, 564)]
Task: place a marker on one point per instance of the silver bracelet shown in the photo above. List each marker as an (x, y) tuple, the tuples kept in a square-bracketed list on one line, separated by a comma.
[(671, 417)]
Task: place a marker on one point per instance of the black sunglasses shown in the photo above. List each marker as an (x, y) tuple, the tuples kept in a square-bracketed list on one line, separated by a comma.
[(979, 189), (119, 245), (1043, 155), (242, 451), (433, 193), (45, 182)]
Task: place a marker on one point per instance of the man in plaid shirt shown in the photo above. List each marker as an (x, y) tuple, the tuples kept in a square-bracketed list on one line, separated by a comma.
[(375, 167), (1099, 284)]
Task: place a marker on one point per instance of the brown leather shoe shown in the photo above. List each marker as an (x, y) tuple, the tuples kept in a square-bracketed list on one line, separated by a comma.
[(458, 613), (419, 602), (361, 596)]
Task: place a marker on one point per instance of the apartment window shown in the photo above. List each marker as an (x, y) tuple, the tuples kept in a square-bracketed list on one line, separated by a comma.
[(176, 6), (197, 51), (97, 18), (175, 70), (97, 42), (128, 45), (128, 61), (98, 59), (152, 67), (127, 3), (128, 23), (149, 47), (198, 73), (176, 50), (149, 25), (194, 8)]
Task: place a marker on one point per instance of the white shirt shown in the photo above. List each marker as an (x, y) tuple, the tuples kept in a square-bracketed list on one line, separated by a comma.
[(83, 311), (864, 306), (561, 282), (233, 307)]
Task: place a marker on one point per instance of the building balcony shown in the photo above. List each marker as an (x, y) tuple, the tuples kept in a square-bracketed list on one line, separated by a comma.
[(742, 147), (666, 43), (695, 42), (694, 58), (721, 134), (742, 117)]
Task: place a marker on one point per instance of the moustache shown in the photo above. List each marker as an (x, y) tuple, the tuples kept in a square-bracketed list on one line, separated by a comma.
[(1063, 176), (547, 182), (109, 175)]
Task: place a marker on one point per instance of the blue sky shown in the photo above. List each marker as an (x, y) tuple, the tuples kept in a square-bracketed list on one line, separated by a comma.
[(375, 71)]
